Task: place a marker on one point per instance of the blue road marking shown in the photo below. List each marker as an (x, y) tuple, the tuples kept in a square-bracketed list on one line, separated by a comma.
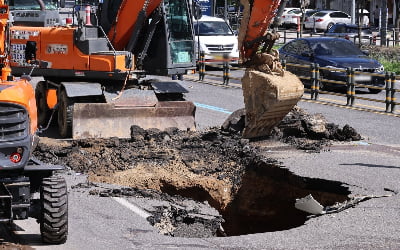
[(200, 105)]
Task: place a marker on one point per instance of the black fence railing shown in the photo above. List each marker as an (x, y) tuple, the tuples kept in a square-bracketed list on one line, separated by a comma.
[(350, 84), (225, 64), (392, 38), (318, 83)]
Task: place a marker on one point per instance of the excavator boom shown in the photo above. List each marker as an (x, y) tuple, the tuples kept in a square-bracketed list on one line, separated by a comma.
[(257, 17), (269, 91), (128, 19)]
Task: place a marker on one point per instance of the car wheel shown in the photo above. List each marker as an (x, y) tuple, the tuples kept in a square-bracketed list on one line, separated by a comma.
[(322, 84), (329, 26)]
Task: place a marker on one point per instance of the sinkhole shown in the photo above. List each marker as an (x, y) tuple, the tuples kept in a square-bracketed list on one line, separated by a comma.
[(264, 201)]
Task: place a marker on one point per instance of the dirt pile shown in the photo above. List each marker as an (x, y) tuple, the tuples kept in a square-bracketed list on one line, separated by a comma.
[(12, 246), (193, 163), (312, 132), (303, 130), (213, 166)]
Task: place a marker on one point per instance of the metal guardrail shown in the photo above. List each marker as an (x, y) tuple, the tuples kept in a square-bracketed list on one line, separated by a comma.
[(287, 35), (224, 65), (316, 81), (350, 84)]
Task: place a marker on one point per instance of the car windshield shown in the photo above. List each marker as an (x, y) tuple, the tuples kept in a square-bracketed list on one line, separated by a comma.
[(320, 14), (310, 13), (335, 48), (294, 12), (32, 4), (212, 28)]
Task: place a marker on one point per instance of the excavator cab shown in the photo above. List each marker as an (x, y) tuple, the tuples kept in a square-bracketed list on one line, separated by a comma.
[(173, 39), (33, 4)]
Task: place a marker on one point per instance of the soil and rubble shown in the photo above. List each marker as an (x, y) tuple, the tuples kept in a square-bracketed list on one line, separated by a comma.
[(298, 128), (175, 216), (252, 192), (12, 246)]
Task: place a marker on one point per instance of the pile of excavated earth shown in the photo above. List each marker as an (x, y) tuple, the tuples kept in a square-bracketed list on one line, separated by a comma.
[(11, 246), (215, 167)]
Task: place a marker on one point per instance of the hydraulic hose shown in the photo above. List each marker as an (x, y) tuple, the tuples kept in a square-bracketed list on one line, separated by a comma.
[(41, 3)]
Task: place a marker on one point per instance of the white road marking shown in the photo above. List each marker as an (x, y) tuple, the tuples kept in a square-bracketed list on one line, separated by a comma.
[(137, 210)]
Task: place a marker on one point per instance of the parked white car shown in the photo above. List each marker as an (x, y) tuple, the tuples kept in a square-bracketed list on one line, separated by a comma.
[(285, 12), (325, 19), (292, 17), (215, 38)]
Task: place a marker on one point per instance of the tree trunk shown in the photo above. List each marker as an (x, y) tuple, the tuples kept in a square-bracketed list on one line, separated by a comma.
[(397, 23), (384, 23)]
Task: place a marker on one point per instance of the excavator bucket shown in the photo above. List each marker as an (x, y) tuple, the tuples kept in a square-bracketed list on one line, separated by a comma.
[(268, 98), (135, 107)]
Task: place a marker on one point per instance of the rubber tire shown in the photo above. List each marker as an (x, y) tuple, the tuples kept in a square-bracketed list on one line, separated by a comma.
[(64, 117), (54, 210), (43, 111), (374, 91), (329, 26), (322, 85)]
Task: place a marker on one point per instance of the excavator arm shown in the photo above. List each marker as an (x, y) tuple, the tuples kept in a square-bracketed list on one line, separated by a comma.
[(126, 21), (257, 17), (269, 91)]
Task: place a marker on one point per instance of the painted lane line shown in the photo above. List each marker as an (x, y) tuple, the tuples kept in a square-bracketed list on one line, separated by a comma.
[(137, 210), (222, 110)]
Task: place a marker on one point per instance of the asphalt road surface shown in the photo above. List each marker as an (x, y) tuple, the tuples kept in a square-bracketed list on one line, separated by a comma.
[(370, 167)]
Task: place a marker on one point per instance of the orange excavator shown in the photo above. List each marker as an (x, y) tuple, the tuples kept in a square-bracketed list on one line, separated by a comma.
[(21, 177), (93, 67)]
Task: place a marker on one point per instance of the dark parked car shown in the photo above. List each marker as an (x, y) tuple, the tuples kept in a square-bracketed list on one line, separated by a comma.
[(350, 32), (337, 55)]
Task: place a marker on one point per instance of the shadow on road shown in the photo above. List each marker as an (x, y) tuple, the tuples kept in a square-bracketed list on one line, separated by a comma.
[(369, 165)]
